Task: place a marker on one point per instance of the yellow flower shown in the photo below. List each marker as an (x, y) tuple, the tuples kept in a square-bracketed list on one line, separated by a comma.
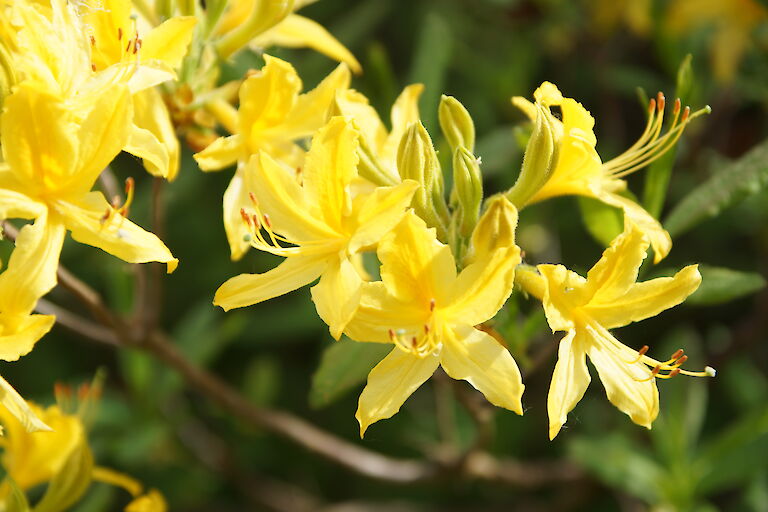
[(429, 313), (78, 51), (52, 159), (288, 30), (34, 458), (271, 118), (580, 171), (586, 308), (153, 501), (317, 226)]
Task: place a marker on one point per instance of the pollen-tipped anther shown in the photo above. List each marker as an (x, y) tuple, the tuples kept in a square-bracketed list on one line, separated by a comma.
[(431, 304)]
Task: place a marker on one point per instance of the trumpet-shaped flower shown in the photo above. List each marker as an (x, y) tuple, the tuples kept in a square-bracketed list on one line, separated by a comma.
[(271, 118), (317, 226), (587, 308), (580, 171), (430, 313), (52, 159)]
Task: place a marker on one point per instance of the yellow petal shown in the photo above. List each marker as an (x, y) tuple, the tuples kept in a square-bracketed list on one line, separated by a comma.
[(143, 144), (311, 110), (627, 385), (646, 299), (330, 167), (415, 266), (564, 291), (222, 153), (148, 74), (616, 271), (151, 115), (405, 112), (13, 203), (472, 355), (39, 138), (153, 501), (353, 104), (390, 383), (569, 381), (297, 32), (482, 288), (337, 295), (266, 99), (31, 271), (102, 135), (236, 198), (291, 212), (20, 337), (169, 41), (633, 212), (12, 401), (381, 211), (495, 230), (247, 289), (115, 235), (528, 108), (379, 312)]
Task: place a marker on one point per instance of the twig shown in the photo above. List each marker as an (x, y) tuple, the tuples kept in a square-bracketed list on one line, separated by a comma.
[(77, 323), (360, 460)]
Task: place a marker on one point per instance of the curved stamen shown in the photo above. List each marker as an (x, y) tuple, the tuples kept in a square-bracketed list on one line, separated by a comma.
[(652, 144)]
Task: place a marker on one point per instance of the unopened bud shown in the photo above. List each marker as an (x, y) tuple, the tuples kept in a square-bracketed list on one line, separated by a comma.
[(468, 189), (495, 229), (417, 161), (456, 123), (539, 161)]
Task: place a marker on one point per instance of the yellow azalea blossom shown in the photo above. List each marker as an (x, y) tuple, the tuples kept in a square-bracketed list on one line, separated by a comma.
[(430, 313), (382, 144), (52, 159), (580, 171), (317, 226), (34, 458), (115, 38), (272, 116), (290, 31), (77, 51), (732, 23), (587, 308)]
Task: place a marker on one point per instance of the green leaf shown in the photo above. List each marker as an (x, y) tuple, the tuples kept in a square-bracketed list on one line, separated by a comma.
[(731, 458), (658, 174), (603, 222), (720, 285), (344, 365), (620, 464), (737, 181)]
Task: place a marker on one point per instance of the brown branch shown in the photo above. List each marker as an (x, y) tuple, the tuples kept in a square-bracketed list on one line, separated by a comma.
[(77, 323), (360, 460)]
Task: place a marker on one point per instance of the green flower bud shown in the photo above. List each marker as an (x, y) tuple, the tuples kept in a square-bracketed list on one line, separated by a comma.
[(539, 161), (456, 123), (264, 15), (468, 189), (417, 160)]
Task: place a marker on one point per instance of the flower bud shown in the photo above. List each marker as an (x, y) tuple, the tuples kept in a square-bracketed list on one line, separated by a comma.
[(264, 15), (495, 229), (417, 161), (468, 189), (539, 161), (456, 123)]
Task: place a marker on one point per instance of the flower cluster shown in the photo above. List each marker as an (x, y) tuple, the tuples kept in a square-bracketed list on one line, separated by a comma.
[(320, 181)]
